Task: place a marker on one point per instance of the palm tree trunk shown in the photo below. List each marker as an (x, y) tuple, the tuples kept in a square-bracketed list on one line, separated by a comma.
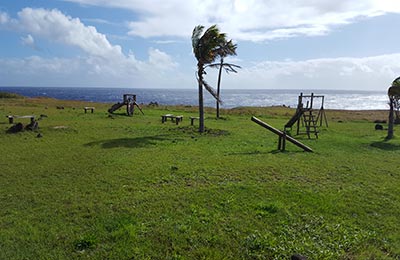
[(391, 120), (201, 103), (218, 85)]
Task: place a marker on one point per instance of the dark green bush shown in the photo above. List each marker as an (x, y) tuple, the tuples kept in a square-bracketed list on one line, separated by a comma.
[(10, 95)]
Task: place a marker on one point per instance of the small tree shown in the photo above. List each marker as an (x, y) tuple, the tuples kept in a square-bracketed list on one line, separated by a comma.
[(207, 48), (394, 101)]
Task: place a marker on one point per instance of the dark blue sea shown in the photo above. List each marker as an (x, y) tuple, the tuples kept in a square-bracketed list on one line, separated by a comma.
[(333, 99)]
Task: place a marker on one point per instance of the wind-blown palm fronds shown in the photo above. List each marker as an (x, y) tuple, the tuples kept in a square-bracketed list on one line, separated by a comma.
[(207, 48), (229, 49), (228, 67)]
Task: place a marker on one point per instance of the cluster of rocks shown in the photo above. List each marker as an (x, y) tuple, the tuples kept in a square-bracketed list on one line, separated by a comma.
[(32, 126), (19, 127)]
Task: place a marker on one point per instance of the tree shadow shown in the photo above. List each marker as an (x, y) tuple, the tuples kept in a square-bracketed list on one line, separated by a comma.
[(138, 142), (264, 152), (247, 153), (386, 145)]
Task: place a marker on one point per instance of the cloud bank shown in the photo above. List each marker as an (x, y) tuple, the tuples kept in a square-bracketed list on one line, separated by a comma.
[(250, 20), (369, 73), (101, 63)]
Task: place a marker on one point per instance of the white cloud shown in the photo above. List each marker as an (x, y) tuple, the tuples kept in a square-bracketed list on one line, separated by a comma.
[(56, 26), (161, 60), (85, 72), (253, 20), (28, 40), (369, 73), (100, 21), (101, 59), (4, 18), (105, 64)]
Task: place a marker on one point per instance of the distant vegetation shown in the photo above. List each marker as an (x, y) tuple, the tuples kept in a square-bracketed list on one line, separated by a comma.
[(10, 95)]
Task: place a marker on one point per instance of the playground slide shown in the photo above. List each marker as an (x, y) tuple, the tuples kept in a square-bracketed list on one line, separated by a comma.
[(294, 119), (115, 107)]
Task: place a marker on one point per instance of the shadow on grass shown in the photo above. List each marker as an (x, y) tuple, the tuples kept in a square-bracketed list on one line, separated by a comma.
[(119, 114), (386, 145), (137, 142), (247, 153), (259, 152)]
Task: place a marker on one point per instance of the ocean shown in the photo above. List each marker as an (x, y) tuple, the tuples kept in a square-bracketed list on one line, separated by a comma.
[(333, 99)]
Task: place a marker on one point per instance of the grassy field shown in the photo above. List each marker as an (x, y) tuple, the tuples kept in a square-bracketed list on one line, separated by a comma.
[(96, 186)]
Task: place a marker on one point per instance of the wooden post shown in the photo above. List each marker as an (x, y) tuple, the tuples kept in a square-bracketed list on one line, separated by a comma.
[(279, 143), (312, 99), (299, 104), (391, 119), (283, 142)]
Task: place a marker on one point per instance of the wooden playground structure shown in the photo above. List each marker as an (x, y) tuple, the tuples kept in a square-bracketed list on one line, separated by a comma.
[(307, 116), (129, 100)]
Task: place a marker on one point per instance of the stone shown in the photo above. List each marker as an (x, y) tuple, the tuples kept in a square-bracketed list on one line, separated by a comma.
[(16, 128), (32, 126), (378, 127), (298, 257)]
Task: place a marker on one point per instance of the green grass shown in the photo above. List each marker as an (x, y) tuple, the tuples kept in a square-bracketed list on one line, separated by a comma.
[(100, 187)]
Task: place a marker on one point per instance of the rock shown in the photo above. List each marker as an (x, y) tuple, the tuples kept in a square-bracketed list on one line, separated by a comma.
[(298, 257), (378, 127), (16, 128), (32, 126)]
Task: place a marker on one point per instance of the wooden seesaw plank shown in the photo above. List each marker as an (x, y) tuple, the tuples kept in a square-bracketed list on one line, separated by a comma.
[(281, 134)]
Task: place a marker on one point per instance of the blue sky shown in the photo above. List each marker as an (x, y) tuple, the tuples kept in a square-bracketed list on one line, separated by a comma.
[(304, 44)]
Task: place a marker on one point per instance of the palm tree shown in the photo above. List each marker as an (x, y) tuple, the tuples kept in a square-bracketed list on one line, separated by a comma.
[(394, 97), (207, 48), (228, 68)]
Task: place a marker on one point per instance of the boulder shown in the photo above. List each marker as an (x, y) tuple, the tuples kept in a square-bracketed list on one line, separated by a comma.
[(378, 127), (16, 128), (34, 125)]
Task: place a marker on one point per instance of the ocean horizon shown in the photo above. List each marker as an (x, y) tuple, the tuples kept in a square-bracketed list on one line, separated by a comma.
[(231, 98)]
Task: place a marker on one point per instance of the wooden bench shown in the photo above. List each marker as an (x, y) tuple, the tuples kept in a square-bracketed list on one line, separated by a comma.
[(88, 108), (192, 118), (177, 119), (11, 118)]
